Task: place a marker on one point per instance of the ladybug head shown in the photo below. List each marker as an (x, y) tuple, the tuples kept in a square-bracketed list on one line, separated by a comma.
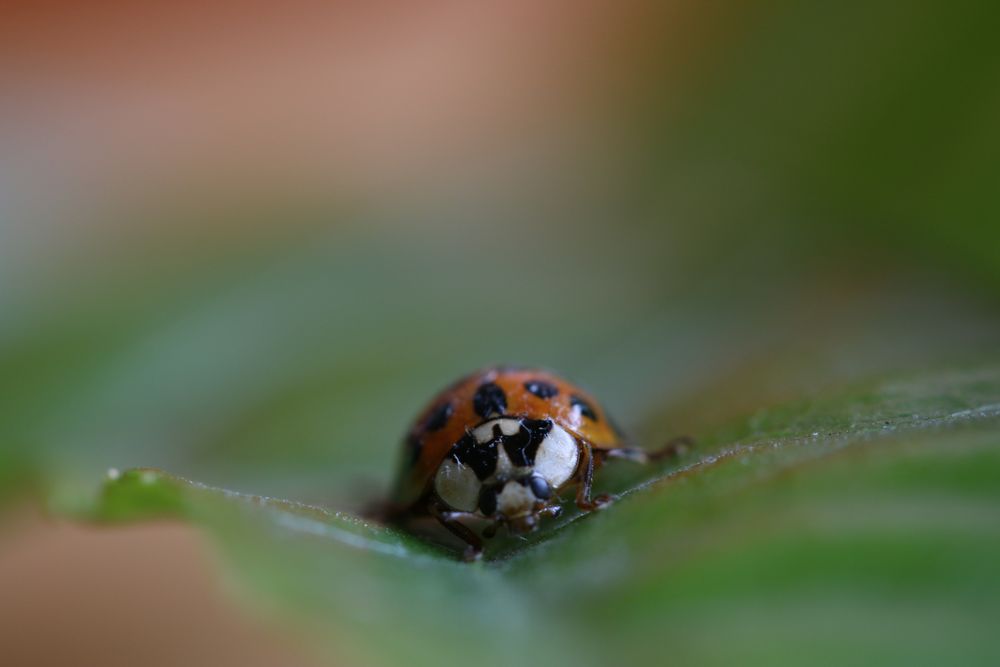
[(508, 469), (515, 499)]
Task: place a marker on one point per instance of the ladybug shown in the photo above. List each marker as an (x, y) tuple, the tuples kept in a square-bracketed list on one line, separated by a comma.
[(499, 446)]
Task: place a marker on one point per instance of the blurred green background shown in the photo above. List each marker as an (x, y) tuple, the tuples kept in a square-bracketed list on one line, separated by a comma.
[(771, 226)]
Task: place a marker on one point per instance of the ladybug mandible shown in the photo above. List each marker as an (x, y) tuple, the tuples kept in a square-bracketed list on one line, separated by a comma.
[(499, 445)]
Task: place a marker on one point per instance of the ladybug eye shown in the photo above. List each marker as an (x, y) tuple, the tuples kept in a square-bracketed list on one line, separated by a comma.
[(540, 487)]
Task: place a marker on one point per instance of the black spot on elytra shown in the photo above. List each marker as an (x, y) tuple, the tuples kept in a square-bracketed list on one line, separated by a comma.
[(437, 419), (412, 448), (586, 409), (489, 400), (541, 388), (488, 500), (523, 445), (539, 487), (482, 458)]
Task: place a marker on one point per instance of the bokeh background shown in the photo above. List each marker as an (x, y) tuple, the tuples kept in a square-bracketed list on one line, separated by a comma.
[(245, 244)]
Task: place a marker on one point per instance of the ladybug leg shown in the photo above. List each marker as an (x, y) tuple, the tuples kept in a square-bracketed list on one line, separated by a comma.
[(633, 454), (550, 510), (583, 500), (449, 519), (672, 449)]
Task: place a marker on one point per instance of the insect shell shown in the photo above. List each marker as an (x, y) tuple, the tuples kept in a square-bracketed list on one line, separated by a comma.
[(500, 445)]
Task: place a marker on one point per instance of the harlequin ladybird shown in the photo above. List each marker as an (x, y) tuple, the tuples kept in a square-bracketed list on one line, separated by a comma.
[(499, 445)]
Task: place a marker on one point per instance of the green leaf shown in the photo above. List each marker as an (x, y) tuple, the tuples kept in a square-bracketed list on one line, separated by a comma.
[(864, 526)]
